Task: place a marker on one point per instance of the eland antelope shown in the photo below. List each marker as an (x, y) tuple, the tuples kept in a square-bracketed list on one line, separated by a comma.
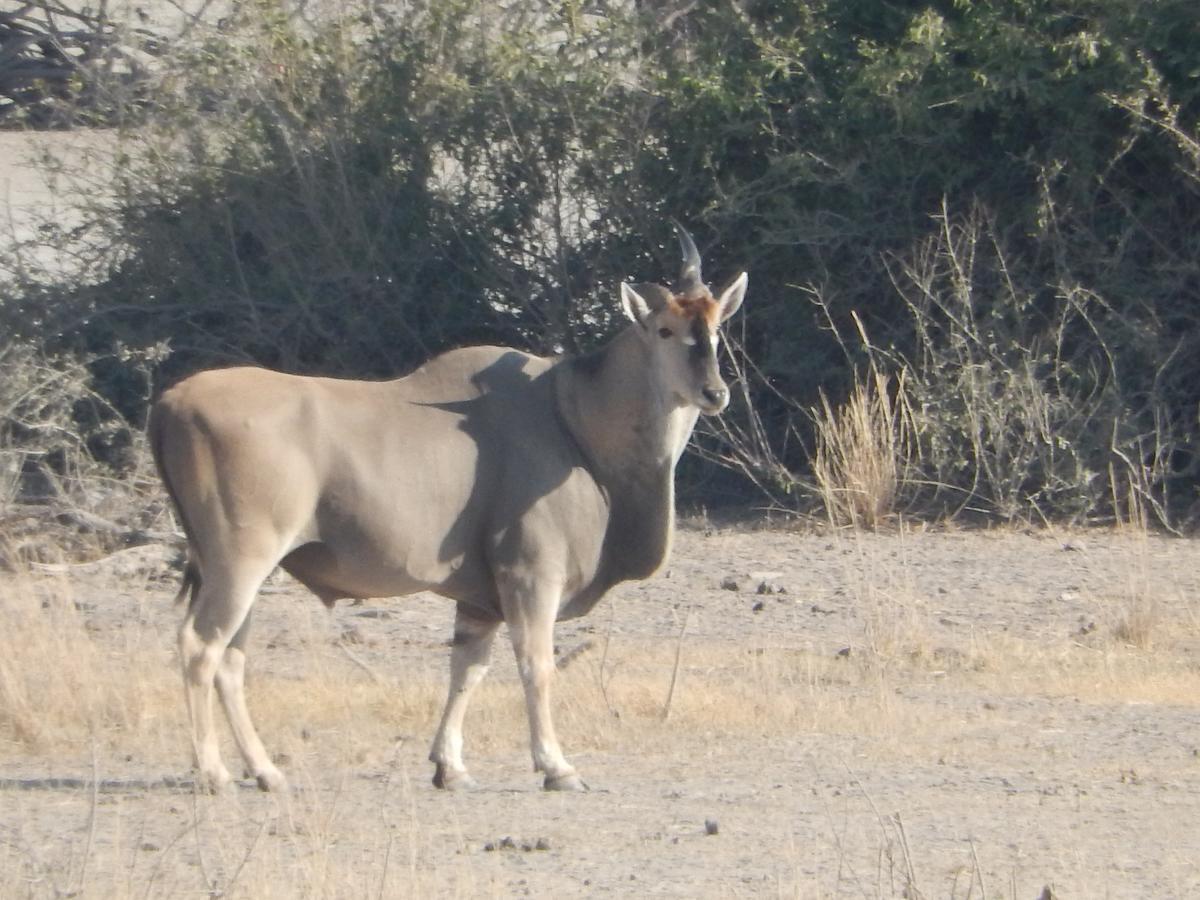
[(520, 487)]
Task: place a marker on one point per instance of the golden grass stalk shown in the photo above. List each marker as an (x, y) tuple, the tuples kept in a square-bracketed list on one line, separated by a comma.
[(862, 448)]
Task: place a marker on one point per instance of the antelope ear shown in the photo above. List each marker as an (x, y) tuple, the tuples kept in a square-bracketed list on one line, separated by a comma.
[(732, 298), (635, 306)]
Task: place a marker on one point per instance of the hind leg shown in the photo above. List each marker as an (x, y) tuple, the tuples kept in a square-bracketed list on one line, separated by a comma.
[(215, 617), (231, 684)]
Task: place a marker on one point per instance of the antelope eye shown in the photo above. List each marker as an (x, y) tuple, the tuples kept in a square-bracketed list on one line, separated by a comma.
[(665, 333)]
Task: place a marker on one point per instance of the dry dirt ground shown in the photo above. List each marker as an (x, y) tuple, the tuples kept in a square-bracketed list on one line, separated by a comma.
[(924, 714)]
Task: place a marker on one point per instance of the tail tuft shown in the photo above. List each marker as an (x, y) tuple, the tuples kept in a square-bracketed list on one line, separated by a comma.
[(191, 583)]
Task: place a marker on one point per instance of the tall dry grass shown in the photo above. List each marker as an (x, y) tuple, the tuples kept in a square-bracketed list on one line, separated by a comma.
[(863, 449), (71, 677), (61, 684)]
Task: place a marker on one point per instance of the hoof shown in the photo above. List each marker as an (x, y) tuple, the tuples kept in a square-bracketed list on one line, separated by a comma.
[(452, 779), (568, 782), (214, 782), (271, 781)]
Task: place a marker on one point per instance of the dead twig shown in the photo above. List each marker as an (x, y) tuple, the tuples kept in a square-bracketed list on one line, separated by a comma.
[(229, 885), (604, 662), (358, 661), (675, 669), (910, 873), (91, 838), (978, 869)]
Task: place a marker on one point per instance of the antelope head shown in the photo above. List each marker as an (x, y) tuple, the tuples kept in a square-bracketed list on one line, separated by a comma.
[(680, 328)]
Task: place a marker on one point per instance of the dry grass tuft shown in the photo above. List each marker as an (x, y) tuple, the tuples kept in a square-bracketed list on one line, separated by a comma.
[(59, 686), (861, 451), (1137, 623)]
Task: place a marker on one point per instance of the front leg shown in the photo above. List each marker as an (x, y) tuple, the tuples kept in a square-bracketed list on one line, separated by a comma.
[(470, 654), (530, 607)]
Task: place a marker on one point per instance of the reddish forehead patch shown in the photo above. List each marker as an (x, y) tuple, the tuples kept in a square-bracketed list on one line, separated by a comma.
[(702, 307)]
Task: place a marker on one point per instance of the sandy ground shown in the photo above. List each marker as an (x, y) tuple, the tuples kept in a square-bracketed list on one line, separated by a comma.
[(933, 774)]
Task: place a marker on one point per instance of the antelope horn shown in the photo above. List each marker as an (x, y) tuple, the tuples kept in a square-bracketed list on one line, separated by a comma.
[(689, 276)]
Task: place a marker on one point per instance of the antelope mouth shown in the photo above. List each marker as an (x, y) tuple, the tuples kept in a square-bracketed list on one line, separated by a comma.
[(713, 400)]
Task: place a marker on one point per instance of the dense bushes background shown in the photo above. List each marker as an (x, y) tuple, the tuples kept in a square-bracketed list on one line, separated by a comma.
[(989, 211)]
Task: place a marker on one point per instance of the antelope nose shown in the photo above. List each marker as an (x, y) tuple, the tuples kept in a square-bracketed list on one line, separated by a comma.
[(716, 397)]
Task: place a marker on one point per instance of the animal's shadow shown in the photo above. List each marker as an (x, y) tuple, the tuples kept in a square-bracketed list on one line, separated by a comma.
[(524, 452)]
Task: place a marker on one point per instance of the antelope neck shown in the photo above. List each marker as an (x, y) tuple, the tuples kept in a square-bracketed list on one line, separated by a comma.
[(619, 417)]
